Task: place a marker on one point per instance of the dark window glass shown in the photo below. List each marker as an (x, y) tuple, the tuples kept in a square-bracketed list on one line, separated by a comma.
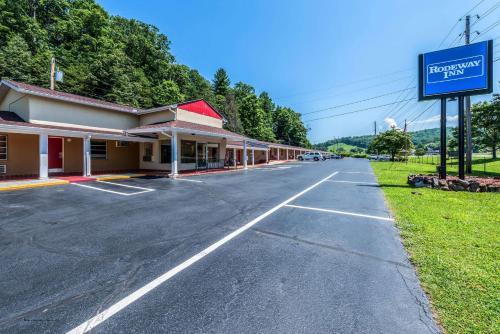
[(188, 151), (148, 152), (98, 149), (3, 147), (165, 153)]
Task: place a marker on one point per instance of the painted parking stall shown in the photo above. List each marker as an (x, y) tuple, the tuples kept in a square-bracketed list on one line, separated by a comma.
[(116, 188)]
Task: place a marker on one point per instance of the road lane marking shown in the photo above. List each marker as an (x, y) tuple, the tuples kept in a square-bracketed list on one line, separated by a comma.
[(339, 212), (354, 182), (136, 295)]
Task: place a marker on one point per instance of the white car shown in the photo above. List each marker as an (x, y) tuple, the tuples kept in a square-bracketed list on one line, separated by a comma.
[(316, 156)]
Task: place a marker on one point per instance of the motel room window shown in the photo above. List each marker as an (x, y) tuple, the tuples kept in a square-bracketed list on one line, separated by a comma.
[(98, 149), (165, 152), (188, 151), (213, 152), (148, 152), (3, 147)]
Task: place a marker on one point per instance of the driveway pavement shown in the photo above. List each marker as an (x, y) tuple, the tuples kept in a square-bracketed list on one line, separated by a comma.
[(293, 248)]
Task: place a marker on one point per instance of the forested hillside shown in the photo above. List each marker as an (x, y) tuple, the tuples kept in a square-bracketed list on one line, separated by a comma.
[(422, 138), (126, 61)]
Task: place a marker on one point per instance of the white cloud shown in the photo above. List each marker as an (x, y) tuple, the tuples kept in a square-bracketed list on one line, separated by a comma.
[(391, 122)]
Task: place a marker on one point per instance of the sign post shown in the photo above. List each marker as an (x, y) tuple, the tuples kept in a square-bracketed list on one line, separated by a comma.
[(457, 72), (442, 149)]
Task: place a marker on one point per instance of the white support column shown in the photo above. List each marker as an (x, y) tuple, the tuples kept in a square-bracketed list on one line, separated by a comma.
[(87, 161), (294, 155), (278, 153), (267, 156), (174, 169), (287, 155), (235, 158), (253, 156), (245, 155), (43, 150)]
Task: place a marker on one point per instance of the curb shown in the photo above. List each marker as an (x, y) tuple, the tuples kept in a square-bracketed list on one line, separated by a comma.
[(118, 177), (34, 185)]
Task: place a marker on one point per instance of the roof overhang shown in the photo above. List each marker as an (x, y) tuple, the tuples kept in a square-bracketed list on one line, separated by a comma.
[(69, 99), (27, 129), (170, 129)]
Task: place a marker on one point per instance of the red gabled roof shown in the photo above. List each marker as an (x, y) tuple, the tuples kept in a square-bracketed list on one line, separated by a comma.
[(201, 107), (44, 92)]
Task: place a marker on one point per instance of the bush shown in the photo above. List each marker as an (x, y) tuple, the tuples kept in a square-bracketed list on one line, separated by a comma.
[(360, 155)]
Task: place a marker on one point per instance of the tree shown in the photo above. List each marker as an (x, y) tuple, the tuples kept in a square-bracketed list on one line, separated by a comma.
[(167, 93), (221, 82), (232, 114), (253, 119), (486, 124), (392, 142), (420, 152), (289, 128), (15, 60)]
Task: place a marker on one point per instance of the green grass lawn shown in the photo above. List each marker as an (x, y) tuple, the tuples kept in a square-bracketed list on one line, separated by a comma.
[(453, 239)]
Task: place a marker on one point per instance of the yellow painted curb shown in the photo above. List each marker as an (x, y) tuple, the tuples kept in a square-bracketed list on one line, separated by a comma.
[(115, 177), (34, 185), (118, 177)]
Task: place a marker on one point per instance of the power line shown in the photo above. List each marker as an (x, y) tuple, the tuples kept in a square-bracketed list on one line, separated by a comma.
[(423, 112), (486, 13), (359, 101), (356, 111), (385, 83), (490, 27), (283, 97), (448, 34)]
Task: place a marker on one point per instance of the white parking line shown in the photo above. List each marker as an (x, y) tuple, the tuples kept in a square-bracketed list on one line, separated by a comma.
[(144, 190), (127, 185), (339, 212), (136, 295), (354, 182)]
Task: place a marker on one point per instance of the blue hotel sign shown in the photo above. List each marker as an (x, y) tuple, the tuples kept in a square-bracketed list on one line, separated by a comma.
[(464, 70)]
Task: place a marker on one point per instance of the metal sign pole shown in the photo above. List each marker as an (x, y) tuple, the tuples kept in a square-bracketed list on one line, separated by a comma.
[(442, 150), (461, 138)]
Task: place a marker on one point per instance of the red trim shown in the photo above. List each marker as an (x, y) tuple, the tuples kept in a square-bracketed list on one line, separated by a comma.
[(200, 107)]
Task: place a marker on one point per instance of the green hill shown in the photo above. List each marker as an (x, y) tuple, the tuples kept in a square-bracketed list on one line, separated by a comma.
[(424, 138)]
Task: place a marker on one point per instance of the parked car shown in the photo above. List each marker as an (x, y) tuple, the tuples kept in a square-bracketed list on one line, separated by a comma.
[(316, 156), (335, 156)]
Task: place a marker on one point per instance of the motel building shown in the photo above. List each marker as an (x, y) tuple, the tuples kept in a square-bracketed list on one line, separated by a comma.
[(47, 133)]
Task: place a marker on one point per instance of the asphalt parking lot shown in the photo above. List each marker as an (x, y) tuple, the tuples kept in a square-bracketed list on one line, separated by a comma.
[(303, 247)]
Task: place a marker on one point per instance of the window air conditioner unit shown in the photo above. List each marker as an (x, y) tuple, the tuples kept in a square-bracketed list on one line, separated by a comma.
[(3, 169)]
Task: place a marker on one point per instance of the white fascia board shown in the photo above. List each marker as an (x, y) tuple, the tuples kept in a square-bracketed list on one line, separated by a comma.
[(7, 128)]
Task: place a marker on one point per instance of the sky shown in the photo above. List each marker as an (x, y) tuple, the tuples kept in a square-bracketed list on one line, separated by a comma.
[(313, 55)]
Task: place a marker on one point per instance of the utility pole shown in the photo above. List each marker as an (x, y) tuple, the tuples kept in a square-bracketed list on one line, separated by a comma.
[(468, 115), (52, 73), (375, 127)]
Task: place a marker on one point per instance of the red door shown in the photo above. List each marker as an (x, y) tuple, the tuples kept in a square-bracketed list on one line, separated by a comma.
[(55, 153)]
